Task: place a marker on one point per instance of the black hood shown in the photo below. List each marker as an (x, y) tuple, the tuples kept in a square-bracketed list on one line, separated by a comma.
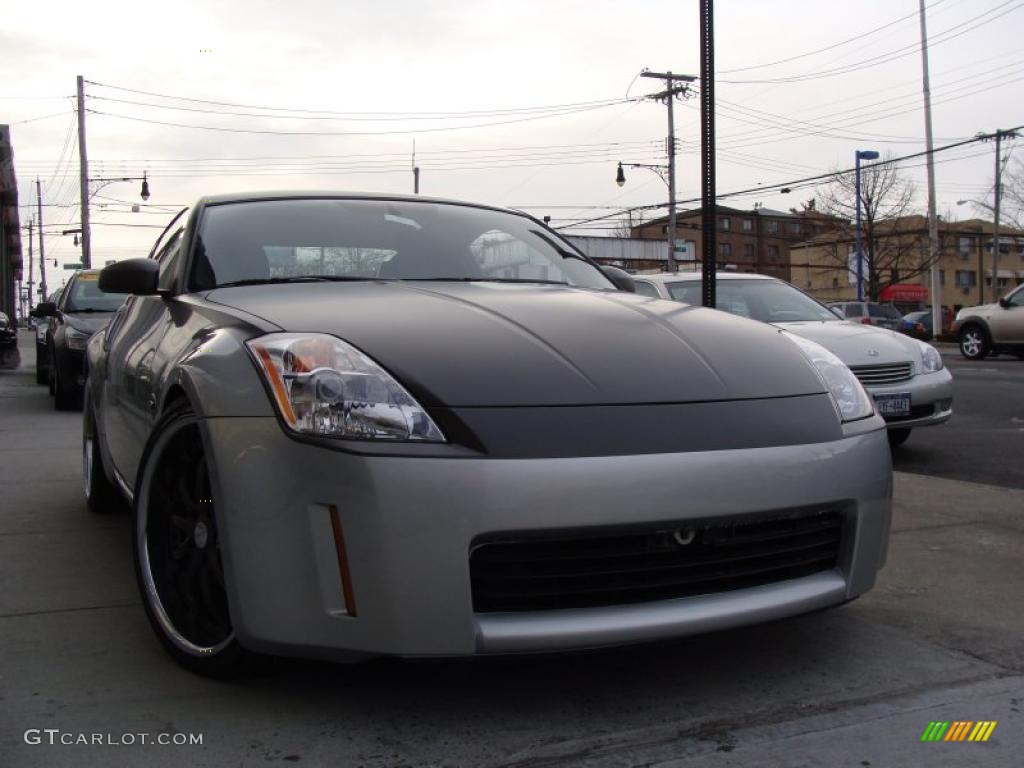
[(494, 344), (88, 322)]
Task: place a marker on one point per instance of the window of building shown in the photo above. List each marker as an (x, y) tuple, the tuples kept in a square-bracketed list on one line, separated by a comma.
[(773, 253), (748, 251), (748, 225), (723, 223), (942, 278), (771, 227), (966, 245), (966, 278), (794, 227), (725, 250)]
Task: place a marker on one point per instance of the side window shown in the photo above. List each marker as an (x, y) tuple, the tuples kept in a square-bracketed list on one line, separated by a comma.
[(646, 289), (852, 310), (169, 258)]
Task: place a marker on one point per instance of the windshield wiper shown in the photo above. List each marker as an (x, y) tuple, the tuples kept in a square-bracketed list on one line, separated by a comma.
[(296, 279)]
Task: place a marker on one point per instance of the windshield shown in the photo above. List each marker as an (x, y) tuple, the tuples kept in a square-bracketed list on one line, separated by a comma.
[(770, 301), (86, 295), (380, 239)]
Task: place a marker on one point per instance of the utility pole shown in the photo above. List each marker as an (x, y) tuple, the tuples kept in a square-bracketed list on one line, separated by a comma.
[(42, 252), (995, 231), (31, 283), (669, 94), (415, 171), (83, 177), (933, 220), (707, 152)]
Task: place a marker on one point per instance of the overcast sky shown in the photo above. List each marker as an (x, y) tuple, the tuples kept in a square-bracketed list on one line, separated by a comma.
[(386, 64)]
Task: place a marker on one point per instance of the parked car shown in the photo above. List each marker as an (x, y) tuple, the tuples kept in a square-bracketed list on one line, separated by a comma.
[(870, 313), (82, 309), (992, 328), (918, 325), (906, 378), (42, 327), (10, 358), (359, 425)]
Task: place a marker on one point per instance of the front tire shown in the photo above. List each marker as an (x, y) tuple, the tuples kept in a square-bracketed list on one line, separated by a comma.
[(178, 563), (100, 494), (973, 342)]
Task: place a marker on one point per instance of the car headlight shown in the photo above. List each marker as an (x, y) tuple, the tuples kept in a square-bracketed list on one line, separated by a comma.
[(848, 395), (75, 339), (324, 386), (931, 360)]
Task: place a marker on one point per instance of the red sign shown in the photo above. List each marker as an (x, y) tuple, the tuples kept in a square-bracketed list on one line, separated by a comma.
[(904, 292)]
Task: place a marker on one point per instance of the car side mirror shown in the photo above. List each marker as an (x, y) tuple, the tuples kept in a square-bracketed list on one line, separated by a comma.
[(620, 278), (135, 276), (1004, 303), (44, 309)]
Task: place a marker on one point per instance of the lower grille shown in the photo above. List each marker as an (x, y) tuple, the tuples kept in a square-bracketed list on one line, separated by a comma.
[(885, 373), (576, 569)]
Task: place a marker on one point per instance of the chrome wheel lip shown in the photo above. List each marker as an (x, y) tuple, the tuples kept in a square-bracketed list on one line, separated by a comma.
[(145, 566)]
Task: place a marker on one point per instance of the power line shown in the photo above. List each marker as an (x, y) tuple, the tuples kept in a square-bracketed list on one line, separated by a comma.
[(831, 47), (893, 55), (357, 133), (470, 113), (796, 183)]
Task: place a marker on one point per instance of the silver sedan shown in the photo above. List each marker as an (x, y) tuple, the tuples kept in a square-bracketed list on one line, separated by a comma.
[(906, 378), (357, 425)]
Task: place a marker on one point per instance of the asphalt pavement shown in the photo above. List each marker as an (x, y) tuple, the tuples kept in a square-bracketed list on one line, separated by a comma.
[(983, 441), (938, 639)]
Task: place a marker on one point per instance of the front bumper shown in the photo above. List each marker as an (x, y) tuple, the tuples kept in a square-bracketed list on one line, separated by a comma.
[(931, 399), (408, 524)]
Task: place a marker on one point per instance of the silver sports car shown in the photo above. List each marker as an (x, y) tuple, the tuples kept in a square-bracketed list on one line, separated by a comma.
[(354, 425)]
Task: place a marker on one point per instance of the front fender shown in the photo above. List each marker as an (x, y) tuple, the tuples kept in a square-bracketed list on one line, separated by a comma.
[(217, 375)]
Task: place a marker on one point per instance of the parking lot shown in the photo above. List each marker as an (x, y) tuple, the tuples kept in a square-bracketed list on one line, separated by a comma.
[(939, 638)]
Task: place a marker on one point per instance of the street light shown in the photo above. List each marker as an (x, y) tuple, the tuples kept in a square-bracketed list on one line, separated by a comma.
[(860, 154), (664, 173)]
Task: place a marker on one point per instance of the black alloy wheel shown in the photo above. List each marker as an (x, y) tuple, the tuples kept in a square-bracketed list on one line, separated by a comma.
[(177, 550)]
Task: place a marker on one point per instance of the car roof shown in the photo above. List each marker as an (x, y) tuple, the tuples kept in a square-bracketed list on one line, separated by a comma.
[(664, 277), (320, 194)]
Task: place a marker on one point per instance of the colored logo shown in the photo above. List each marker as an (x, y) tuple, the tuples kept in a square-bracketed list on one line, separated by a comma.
[(959, 730)]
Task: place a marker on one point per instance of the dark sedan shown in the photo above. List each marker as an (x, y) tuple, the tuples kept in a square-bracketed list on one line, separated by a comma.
[(83, 309), (9, 357), (918, 325)]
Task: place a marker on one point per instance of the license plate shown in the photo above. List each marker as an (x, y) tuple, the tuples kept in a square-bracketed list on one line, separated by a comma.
[(893, 405)]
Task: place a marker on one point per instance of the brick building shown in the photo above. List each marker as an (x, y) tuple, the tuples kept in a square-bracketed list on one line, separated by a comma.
[(756, 240), (823, 265)]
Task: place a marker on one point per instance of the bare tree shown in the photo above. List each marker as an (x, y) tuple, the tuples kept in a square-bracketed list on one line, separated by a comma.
[(1013, 194), (891, 241)]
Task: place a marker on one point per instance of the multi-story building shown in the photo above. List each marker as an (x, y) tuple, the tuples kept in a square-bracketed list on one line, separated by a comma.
[(824, 265), (756, 240)]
